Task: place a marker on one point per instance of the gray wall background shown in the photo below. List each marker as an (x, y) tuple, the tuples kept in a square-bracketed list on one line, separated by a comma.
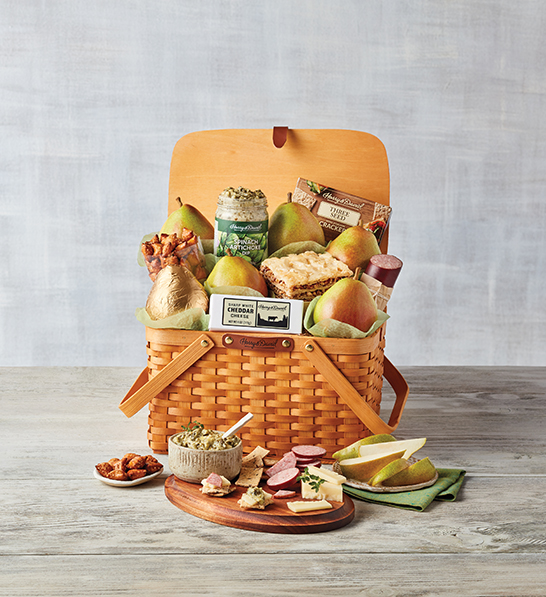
[(94, 95)]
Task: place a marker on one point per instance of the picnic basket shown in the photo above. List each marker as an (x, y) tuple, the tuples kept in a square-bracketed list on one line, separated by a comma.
[(300, 389)]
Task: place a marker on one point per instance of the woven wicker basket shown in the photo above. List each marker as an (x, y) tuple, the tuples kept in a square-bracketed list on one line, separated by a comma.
[(300, 389)]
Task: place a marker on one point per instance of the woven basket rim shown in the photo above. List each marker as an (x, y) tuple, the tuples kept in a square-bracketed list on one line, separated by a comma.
[(330, 345)]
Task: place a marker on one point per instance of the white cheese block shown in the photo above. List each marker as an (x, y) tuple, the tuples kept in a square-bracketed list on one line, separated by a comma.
[(328, 475), (298, 507), (326, 491), (252, 314)]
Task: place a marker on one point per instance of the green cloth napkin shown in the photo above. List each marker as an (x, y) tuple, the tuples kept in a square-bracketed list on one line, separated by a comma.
[(445, 489)]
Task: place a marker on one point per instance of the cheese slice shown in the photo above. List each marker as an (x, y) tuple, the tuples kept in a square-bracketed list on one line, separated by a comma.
[(298, 507), (326, 491), (328, 475)]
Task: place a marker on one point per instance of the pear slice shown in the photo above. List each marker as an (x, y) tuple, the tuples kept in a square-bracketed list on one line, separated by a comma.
[(394, 467), (408, 445), (364, 468), (419, 472), (352, 450)]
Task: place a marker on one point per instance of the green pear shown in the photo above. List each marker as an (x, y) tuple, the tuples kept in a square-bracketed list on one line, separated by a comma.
[(388, 471), (291, 223), (364, 468), (421, 471), (231, 270), (410, 446), (354, 246), (352, 450), (349, 301), (188, 216)]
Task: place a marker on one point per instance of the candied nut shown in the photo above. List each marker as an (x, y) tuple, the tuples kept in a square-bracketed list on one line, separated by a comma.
[(117, 475), (167, 249), (104, 468), (130, 455), (113, 461), (136, 473), (136, 462), (153, 467)]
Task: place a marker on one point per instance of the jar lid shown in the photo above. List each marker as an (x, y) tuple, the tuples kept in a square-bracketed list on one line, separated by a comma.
[(242, 197)]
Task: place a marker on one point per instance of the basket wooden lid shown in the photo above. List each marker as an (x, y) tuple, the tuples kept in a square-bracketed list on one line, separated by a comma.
[(206, 162)]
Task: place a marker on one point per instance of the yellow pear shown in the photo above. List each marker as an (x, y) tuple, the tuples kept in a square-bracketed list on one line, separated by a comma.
[(188, 216), (409, 446), (232, 270), (293, 222), (394, 467), (352, 450), (364, 468), (350, 301), (420, 472), (354, 246)]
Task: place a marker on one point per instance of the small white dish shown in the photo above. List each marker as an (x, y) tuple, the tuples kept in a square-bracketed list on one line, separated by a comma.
[(116, 483)]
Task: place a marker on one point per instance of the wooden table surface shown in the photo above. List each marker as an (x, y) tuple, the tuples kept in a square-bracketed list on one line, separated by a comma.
[(63, 532)]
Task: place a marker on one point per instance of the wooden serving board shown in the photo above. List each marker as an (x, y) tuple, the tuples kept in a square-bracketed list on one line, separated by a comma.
[(276, 518)]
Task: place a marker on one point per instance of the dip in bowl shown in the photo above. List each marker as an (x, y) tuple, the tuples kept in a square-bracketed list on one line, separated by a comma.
[(196, 452)]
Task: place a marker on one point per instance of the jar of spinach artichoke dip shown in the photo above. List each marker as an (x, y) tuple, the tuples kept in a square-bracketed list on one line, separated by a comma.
[(241, 224)]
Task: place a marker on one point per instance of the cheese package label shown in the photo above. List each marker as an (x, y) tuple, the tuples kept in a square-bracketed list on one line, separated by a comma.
[(253, 314)]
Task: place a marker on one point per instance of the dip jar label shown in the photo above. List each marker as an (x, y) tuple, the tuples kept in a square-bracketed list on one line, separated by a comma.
[(244, 239)]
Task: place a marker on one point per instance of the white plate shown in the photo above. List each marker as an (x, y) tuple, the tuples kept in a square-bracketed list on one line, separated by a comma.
[(382, 488), (116, 483)]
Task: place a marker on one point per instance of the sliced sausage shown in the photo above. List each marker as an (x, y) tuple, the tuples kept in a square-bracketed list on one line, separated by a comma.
[(284, 480), (284, 493), (287, 461), (306, 460), (308, 451), (302, 466)]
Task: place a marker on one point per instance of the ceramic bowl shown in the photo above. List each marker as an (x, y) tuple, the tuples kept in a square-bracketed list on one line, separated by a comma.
[(193, 466)]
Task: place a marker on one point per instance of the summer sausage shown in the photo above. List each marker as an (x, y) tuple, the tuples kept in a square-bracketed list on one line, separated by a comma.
[(284, 480), (309, 451), (284, 493), (307, 460), (384, 268), (287, 461), (316, 463)]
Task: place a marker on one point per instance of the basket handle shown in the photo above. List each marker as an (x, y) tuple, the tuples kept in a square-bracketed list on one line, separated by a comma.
[(142, 391), (352, 398)]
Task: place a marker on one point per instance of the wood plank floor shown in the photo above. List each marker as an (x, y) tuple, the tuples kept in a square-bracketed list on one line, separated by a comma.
[(65, 533)]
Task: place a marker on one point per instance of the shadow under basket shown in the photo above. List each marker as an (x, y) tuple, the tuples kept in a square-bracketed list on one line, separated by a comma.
[(300, 389)]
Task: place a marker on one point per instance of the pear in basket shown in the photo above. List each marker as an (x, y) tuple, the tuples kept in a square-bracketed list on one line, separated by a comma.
[(188, 216), (348, 301), (232, 270), (354, 246), (293, 222)]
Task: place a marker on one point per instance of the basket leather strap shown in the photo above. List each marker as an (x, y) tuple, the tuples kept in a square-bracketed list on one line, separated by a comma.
[(352, 398), (142, 391)]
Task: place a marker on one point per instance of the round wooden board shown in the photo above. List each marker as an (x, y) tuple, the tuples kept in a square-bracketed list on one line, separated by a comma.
[(276, 518)]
